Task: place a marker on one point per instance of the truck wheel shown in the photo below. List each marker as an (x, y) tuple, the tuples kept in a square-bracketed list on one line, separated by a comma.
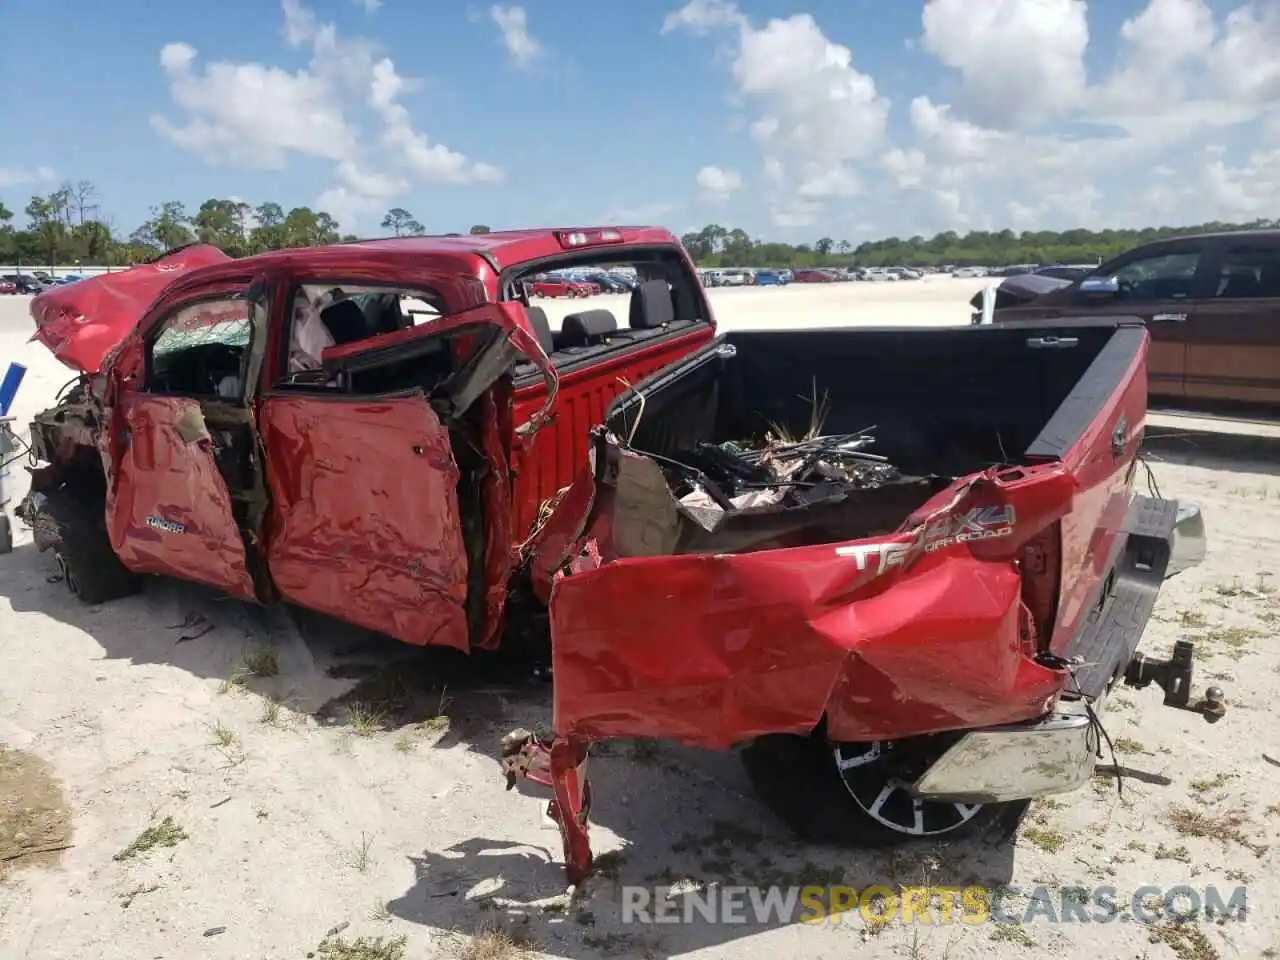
[(854, 795), (76, 533)]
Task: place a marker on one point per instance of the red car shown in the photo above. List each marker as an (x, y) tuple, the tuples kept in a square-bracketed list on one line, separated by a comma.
[(560, 287), (8, 286), (813, 276)]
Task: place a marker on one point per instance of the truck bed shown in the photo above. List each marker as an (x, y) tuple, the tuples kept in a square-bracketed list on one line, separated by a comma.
[(944, 401), (976, 479)]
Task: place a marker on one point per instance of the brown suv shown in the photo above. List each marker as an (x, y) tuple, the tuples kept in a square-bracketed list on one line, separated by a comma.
[(1211, 302)]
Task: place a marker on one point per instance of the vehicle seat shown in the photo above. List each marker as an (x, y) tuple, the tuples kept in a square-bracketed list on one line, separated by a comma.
[(542, 327), (345, 322), (651, 306), (588, 328)]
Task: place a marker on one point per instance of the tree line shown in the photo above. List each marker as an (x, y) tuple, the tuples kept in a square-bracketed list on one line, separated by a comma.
[(66, 227), (718, 246)]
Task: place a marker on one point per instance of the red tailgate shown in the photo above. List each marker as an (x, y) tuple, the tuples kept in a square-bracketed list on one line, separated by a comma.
[(889, 637)]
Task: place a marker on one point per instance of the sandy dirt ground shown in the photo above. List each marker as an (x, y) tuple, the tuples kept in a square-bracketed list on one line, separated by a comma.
[(184, 777)]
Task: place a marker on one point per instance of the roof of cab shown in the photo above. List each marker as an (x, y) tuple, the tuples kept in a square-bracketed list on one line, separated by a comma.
[(510, 247)]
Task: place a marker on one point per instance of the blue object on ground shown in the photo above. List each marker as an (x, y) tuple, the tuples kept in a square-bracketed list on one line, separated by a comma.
[(9, 387)]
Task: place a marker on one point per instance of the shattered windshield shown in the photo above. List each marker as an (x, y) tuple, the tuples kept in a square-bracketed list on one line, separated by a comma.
[(224, 321)]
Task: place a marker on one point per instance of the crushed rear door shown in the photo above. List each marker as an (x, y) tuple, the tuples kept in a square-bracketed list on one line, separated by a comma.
[(367, 522)]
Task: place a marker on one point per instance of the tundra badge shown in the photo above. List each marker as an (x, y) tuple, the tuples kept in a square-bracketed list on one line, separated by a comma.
[(165, 526)]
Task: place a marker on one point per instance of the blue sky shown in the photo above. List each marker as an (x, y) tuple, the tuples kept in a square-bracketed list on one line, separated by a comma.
[(977, 114)]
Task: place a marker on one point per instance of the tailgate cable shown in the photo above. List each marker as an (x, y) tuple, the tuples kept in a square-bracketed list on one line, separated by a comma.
[(1055, 662)]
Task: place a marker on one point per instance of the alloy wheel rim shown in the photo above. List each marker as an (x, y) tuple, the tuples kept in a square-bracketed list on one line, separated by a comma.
[(887, 799)]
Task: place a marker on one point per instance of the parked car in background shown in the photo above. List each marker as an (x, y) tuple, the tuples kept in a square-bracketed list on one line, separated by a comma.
[(8, 287), (608, 282), (25, 283), (551, 286), (811, 275), (969, 273), (736, 278), (771, 278), (1211, 302)]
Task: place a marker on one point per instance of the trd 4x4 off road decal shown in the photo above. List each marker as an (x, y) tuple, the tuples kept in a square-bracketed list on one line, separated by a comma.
[(980, 523)]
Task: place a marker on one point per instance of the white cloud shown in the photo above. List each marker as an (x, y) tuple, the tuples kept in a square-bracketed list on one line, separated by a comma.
[(369, 6), (258, 116), (701, 16), (1243, 62), (1019, 133), (1020, 61), (716, 183), (818, 115), (513, 24), (250, 115), (17, 176), (429, 161)]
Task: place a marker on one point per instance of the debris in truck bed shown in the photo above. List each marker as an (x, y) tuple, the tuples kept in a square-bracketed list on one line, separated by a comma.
[(780, 473), (746, 495)]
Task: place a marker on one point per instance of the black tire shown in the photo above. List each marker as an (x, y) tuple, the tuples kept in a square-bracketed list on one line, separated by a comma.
[(797, 778), (74, 529)]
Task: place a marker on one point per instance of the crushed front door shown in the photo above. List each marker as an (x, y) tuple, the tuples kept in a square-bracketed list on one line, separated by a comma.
[(169, 509), (365, 520)]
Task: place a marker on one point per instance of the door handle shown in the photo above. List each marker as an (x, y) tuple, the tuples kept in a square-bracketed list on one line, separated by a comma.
[(1052, 343)]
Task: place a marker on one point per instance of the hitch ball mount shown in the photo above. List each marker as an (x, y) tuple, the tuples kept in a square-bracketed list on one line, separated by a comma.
[(1174, 678)]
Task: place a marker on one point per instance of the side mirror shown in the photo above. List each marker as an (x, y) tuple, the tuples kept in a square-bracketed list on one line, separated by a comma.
[(1100, 286)]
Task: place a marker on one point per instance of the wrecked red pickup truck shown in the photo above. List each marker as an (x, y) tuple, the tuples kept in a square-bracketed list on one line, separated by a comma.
[(904, 568), (370, 430)]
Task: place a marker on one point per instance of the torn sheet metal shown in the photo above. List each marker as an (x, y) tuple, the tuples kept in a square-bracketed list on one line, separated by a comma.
[(82, 322), (914, 631)]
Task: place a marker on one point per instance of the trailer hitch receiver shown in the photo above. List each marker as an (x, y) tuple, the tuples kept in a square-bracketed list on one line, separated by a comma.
[(1174, 677)]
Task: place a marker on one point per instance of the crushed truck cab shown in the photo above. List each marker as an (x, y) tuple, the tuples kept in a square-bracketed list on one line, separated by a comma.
[(370, 430), (901, 568)]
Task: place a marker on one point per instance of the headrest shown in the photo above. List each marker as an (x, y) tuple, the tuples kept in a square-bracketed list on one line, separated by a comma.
[(542, 327), (587, 327), (651, 305), (345, 322)]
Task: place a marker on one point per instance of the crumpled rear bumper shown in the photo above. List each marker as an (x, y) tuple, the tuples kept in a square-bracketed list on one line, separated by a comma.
[(1052, 754)]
